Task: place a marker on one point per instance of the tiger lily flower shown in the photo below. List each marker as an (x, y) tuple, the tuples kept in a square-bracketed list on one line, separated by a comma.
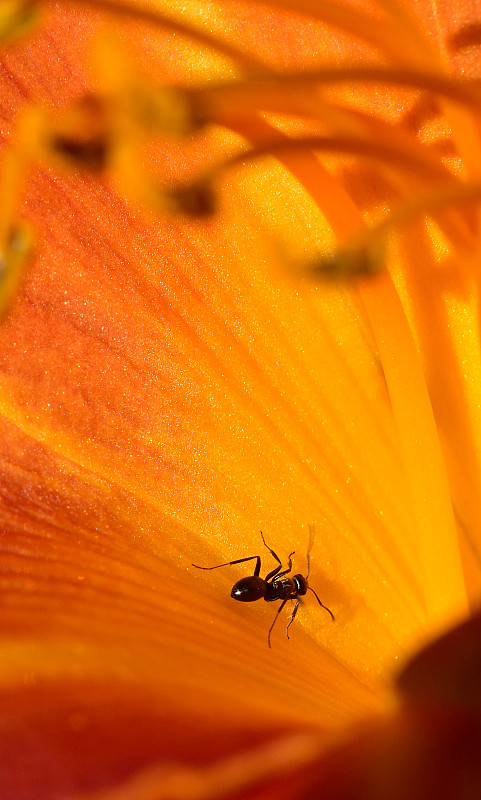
[(240, 266)]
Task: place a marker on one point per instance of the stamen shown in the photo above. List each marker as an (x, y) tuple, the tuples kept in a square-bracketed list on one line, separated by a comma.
[(196, 200), (364, 253), (134, 102), (17, 19), (13, 263), (362, 257), (82, 137), (268, 94), (392, 153), (16, 240), (156, 18), (467, 36), (86, 140), (444, 584), (407, 23), (384, 35)]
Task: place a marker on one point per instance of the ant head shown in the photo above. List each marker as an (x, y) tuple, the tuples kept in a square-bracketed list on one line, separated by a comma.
[(248, 589), (300, 582)]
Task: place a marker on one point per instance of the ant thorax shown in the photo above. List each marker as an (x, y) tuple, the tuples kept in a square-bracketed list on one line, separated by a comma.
[(289, 588)]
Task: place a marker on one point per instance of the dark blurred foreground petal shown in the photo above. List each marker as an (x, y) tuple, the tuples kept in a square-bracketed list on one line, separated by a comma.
[(430, 748)]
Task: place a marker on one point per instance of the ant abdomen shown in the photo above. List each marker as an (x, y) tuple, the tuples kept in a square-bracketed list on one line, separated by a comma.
[(249, 589)]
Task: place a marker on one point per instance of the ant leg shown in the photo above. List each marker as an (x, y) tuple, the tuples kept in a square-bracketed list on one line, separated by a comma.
[(237, 561), (277, 569), (321, 604), (289, 567), (293, 616), (275, 618), (275, 572)]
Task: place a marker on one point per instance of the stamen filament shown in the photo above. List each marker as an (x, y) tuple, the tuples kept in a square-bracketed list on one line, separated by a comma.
[(443, 579), (258, 95), (384, 35), (454, 402), (158, 19), (452, 193), (407, 22), (380, 151)]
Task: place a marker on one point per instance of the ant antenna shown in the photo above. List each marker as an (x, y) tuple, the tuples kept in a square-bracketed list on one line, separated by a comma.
[(275, 620), (321, 604), (312, 533)]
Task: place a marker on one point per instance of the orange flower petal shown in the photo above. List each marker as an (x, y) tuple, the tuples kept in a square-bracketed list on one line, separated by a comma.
[(167, 392)]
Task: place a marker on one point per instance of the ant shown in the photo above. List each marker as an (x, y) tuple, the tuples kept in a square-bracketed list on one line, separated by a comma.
[(275, 586)]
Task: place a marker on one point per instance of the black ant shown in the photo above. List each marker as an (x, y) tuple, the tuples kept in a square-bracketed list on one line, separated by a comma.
[(275, 586)]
